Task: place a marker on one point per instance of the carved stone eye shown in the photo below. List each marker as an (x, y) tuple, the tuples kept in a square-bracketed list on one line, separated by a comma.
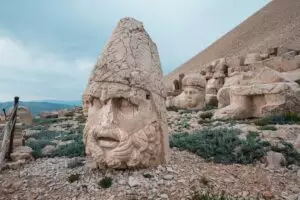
[(126, 108), (147, 96)]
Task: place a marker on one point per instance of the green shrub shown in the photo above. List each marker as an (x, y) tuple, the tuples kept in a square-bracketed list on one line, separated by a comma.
[(106, 182), (287, 118), (147, 175), (81, 119), (221, 145), (75, 163), (75, 137), (37, 146), (209, 196), (292, 156), (73, 177), (209, 107), (268, 127), (206, 115), (47, 135), (172, 108), (40, 121), (38, 127), (73, 149)]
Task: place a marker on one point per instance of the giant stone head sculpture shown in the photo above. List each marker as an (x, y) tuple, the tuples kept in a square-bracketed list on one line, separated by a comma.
[(126, 125), (194, 91)]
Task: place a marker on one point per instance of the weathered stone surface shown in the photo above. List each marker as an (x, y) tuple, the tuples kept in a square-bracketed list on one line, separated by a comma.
[(126, 125), (223, 97), (275, 160), (297, 143), (267, 92), (47, 150), (23, 115), (252, 58), (21, 153), (193, 95)]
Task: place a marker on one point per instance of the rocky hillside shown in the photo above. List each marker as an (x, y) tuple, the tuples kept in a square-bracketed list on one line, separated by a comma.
[(277, 24)]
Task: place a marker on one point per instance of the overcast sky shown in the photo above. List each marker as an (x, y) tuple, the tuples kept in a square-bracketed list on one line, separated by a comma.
[(47, 48)]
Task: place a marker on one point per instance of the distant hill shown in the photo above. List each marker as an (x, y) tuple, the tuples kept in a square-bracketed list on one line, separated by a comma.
[(71, 103), (276, 24), (37, 107)]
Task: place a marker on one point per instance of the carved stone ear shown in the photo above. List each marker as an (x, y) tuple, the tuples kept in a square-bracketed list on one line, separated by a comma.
[(91, 100)]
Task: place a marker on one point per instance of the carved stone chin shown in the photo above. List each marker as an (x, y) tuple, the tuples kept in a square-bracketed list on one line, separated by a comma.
[(126, 125)]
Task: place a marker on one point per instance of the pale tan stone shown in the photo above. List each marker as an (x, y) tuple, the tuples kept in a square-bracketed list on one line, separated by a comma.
[(275, 160), (126, 125), (23, 115), (263, 93), (252, 58), (213, 85), (193, 95)]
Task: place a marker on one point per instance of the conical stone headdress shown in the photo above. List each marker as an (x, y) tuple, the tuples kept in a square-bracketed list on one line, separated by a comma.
[(129, 57)]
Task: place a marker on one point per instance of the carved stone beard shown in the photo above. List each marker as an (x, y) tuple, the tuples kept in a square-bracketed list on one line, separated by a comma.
[(138, 149), (123, 132)]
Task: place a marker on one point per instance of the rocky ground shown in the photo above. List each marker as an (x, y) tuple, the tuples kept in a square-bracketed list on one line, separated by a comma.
[(184, 176)]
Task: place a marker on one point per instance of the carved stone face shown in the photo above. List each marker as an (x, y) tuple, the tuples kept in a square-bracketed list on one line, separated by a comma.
[(193, 96), (122, 129)]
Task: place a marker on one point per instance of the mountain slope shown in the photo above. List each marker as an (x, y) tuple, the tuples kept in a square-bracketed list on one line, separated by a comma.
[(36, 107), (276, 24)]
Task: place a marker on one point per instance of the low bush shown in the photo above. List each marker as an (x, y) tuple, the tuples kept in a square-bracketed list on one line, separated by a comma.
[(75, 163), (221, 145), (292, 156), (287, 118), (81, 119), (37, 146), (73, 149), (206, 115), (172, 108), (73, 177), (209, 107), (106, 182), (268, 127)]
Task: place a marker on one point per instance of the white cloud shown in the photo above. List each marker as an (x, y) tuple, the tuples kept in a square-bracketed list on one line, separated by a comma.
[(34, 74)]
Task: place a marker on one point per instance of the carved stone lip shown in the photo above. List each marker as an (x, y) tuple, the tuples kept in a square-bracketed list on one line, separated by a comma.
[(107, 140)]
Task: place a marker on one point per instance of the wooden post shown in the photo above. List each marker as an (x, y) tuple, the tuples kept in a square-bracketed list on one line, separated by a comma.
[(7, 142), (13, 127)]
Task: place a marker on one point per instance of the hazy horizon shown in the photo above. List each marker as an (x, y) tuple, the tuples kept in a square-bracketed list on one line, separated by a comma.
[(47, 49)]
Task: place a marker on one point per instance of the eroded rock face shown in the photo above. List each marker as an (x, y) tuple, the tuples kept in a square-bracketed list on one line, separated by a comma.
[(193, 95), (126, 125), (266, 92)]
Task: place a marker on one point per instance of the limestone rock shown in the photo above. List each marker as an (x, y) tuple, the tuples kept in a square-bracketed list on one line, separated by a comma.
[(274, 160), (23, 115), (252, 58), (21, 153), (297, 143), (265, 92), (126, 125), (223, 97), (48, 149)]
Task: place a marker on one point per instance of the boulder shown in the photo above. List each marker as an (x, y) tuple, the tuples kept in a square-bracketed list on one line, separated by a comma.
[(275, 160), (252, 58)]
